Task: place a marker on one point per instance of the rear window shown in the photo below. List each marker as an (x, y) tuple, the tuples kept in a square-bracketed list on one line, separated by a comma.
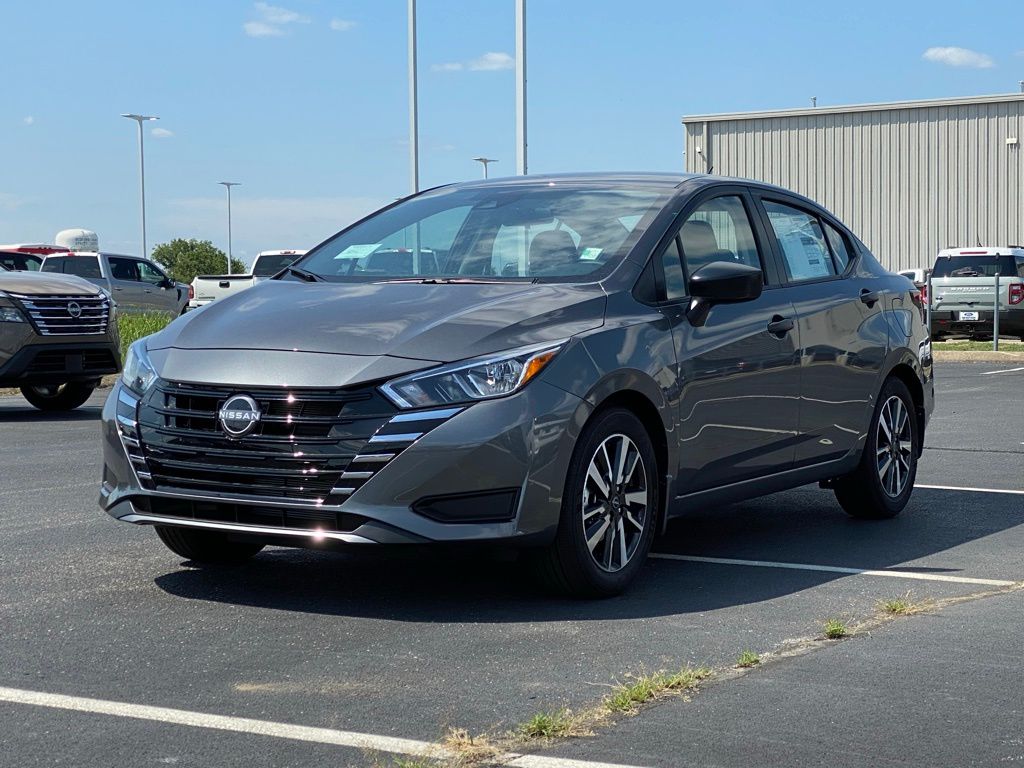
[(27, 262), (83, 266), (270, 265), (977, 266)]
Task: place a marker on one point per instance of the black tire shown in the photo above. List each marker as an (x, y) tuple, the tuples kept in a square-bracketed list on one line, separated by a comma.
[(206, 546), (58, 397), (863, 493), (567, 566)]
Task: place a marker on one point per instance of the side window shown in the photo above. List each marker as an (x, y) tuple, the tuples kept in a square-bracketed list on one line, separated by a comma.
[(150, 274), (719, 230), (83, 266), (672, 264), (123, 269), (801, 241), (840, 248)]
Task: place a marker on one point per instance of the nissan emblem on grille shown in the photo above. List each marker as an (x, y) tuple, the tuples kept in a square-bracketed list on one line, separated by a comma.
[(74, 309), (239, 415)]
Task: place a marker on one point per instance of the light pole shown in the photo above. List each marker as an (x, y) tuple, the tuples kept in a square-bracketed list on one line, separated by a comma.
[(140, 119), (521, 87), (414, 133), (228, 185), (485, 161)]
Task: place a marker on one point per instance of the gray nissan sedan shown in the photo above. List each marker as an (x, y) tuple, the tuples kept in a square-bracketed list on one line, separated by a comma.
[(557, 363)]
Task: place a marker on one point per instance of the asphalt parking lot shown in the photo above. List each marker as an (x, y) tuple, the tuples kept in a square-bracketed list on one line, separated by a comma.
[(100, 624)]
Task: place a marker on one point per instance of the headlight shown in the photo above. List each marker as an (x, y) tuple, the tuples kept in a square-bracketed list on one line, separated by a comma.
[(11, 315), (139, 373), (480, 379)]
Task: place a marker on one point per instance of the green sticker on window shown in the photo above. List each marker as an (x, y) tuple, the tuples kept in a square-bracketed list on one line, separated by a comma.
[(590, 254)]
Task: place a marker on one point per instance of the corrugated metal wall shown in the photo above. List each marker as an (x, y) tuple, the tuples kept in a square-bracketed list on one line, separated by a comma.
[(908, 181)]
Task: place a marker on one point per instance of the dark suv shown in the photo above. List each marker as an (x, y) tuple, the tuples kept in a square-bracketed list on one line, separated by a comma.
[(559, 363)]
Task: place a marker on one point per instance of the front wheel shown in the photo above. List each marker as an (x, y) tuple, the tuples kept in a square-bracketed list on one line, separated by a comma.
[(58, 397), (881, 485), (206, 546), (609, 509)]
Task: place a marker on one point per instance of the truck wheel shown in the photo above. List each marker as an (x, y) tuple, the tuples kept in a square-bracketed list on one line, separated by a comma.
[(206, 546), (881, 485), (58, 397), (609, 509)]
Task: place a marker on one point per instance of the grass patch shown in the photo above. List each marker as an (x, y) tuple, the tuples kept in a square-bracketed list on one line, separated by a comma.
[(748, 659), (134, 325), (903, 606), (469, 749), (963, 345), (835, 629), (550, 725), (627, 697)]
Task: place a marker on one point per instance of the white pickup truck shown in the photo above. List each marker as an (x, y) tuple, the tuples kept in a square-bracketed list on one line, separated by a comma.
[(207, 288)]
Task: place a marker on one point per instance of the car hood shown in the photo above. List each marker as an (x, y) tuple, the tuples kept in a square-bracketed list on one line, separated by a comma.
[(428, 322), (45, 284)]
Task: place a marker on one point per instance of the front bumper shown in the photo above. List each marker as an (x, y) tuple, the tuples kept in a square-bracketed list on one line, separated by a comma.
[(493, 471), (49, 362)]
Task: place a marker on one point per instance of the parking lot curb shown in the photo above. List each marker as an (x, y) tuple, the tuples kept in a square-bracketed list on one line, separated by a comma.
[(963, 356)]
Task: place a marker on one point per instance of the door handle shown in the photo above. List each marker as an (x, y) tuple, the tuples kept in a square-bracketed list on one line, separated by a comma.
[(868, 297), (780, 326)]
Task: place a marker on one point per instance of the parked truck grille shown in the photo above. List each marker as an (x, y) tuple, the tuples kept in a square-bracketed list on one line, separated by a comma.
[(300, 449), (69, 315)]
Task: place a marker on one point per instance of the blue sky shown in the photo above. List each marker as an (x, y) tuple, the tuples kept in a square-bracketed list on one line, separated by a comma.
[(305, 101)]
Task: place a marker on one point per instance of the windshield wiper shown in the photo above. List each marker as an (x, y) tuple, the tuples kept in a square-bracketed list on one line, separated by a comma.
[(456, 280), (303, 274)]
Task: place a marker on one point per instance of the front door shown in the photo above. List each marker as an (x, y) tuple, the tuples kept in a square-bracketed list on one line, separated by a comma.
[(739, 370), (129, 290)]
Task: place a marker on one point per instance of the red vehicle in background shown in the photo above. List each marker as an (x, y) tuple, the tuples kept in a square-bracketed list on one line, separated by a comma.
[(40, 249)]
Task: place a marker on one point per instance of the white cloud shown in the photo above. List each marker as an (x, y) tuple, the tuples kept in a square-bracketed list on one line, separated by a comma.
[(959, 57), (492, 61), (28, 120), (272, 21), (10, 202), (341, 25), (273, 14), (162, 133), (259, 29)]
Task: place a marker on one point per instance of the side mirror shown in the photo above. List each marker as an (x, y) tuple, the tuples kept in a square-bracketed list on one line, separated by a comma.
[(722, 282), (167, 283)]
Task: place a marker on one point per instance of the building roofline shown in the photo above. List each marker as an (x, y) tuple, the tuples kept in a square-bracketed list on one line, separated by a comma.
[(873, 107)]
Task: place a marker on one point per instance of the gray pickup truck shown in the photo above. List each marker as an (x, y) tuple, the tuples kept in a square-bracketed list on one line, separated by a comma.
[(137, 285), (963, 292)]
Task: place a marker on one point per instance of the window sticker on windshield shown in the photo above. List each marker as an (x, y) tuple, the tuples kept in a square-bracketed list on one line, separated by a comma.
[(590, 254), (358, 251)]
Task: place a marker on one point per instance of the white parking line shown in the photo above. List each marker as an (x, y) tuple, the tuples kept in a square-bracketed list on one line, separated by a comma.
[(962, 488), (252, 727), (1002, 370), (834, 569)]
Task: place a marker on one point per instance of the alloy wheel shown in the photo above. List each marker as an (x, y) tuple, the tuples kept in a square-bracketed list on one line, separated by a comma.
[(615, 503), (894, 446)]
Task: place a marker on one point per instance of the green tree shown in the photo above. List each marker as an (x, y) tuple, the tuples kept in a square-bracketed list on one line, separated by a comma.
[(185, 259)]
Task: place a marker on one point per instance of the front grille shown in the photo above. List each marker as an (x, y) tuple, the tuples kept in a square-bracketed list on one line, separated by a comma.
[(73, 361), (69, 315), (300, 449)]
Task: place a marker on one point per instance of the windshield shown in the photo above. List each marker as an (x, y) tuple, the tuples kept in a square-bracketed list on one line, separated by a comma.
[(266, 266), (977, 266), (493, 233), (21, 261)]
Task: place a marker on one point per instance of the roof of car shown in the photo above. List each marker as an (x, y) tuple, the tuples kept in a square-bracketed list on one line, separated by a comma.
[(640, 178)]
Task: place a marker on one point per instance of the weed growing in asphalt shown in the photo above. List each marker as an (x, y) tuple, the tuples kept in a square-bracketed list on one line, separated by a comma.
[(903, 606), (549, 725), (627, 697), (835, 629), (470, 749), (748, 659)]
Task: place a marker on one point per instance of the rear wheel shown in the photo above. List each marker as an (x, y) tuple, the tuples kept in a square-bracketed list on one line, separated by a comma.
[(58, 397), (881, 485), (609, 509), (206, 546)]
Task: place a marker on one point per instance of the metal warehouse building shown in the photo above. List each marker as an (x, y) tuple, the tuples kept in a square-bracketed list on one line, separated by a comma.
[(908, 177)]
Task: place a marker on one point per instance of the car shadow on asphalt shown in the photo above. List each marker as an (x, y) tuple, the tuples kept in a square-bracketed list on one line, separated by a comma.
[(431, 585), (17, 414)]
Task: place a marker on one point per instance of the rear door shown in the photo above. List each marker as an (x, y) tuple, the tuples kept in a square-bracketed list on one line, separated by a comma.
[(844, 335), (739, 371)]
